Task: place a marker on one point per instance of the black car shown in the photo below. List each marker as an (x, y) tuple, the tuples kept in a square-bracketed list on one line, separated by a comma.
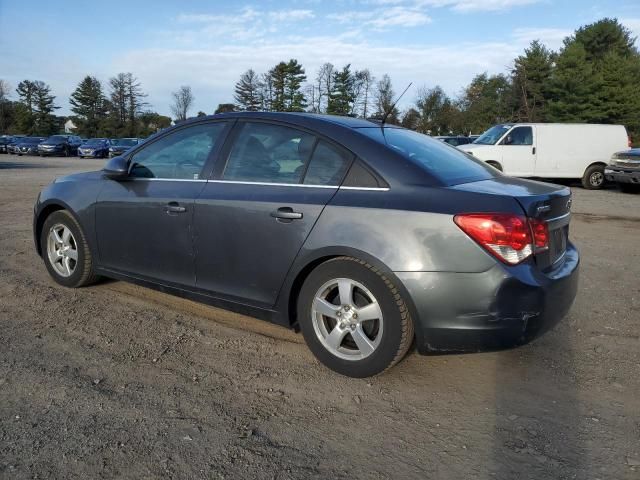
[(454, 140), (366, 237), (28, 145), (65, 145), (94, 148), (11, 146), (122, 145), (624, 169)]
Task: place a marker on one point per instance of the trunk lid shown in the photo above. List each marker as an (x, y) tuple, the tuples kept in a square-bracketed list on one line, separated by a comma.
[(543, 201)]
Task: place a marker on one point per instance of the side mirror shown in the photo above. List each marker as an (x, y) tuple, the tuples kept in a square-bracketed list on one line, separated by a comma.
[(116, 169)]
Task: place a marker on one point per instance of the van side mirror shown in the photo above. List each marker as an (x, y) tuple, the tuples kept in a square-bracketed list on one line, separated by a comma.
[(116, 169)]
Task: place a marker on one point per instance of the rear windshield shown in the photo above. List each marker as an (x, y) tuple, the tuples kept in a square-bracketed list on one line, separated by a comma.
[(95, 141), (446, 163)]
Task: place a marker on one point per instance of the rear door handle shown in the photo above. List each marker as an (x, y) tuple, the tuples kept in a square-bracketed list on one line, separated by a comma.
[(174, 207), (286, 213)]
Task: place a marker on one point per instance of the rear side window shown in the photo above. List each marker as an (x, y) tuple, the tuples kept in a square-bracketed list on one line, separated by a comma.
[(269, 153), (328, 165), (449, 165)]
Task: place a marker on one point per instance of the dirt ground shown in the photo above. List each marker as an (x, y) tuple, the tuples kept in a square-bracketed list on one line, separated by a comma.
[(118, 381)]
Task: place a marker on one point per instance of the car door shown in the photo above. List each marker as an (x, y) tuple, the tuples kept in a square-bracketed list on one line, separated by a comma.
[(144, 224), (519, 151), (252, 218)]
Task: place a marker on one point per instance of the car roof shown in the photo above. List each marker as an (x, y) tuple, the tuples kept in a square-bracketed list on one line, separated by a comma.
[(295, 117)]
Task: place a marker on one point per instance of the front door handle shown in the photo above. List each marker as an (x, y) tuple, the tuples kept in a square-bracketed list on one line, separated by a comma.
[(286, 213), (533, 151), (174, 207)]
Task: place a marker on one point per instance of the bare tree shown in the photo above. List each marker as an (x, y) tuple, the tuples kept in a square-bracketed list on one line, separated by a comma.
[(324, 81), (5, 88), (182, 102)]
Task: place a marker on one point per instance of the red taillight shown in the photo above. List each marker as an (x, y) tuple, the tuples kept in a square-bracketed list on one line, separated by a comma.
[(540, 231), (510, 238)]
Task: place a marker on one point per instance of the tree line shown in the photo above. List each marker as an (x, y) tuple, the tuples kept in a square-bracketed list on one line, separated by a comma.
[(592, 78), (118, 111)]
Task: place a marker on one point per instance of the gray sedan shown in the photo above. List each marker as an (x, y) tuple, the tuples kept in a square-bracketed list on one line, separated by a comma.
[(368, 238)]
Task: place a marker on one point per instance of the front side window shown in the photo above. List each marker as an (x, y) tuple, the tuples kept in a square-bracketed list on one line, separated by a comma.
[(519, 136), (179, 155), (328, 165), (269, 153)]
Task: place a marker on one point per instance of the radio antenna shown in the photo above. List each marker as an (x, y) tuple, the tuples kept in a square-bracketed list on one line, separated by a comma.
[(389, 110)]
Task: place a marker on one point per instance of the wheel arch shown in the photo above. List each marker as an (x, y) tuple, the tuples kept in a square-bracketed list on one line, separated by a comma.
[(288, 298), (495, 164)]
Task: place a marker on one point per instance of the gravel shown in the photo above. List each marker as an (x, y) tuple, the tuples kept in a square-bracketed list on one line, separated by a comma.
[(118, 381)]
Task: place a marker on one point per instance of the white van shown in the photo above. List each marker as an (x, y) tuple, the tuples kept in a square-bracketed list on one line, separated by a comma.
[(551, 150)]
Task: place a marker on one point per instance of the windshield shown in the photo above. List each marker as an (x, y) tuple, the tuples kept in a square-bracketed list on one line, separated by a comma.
[(95, 142), (56, 139), (31, 140), (124, 142), (443, 161), (491, 136)]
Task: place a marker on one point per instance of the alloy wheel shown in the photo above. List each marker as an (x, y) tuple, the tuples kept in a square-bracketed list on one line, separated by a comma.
[(347, 319), (62, 250)]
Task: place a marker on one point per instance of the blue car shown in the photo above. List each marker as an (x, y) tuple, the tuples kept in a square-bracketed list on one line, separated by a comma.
[(28, 145), (94, 148), (122, 145)]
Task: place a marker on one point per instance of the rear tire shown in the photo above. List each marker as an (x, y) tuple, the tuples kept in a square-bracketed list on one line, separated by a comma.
[(363, 334), (65, 251), (593, 178)]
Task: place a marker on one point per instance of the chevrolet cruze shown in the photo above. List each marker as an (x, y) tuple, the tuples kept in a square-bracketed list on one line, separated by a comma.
[(367, 238)]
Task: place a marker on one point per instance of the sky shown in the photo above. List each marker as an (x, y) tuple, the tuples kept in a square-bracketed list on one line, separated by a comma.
[(208, 44)]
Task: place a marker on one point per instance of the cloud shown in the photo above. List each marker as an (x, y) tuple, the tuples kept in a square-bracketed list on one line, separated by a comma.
[(384, 18), (550, 37), (465, 6)]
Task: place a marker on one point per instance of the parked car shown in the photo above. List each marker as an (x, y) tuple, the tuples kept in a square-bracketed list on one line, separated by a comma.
[(454, 140), (65, 145), (28, 145), (364, 236), (551, 150), (624, 169), (95, 148), (11, 146), (121, 145), (5, 140)]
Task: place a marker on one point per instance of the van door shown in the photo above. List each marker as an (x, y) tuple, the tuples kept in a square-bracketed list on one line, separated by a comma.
[(519, 151)]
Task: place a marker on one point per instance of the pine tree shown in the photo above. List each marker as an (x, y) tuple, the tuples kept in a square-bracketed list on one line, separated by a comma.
[(341, 98), (247, 92), (486, 102), (89, 104), (295, 77), (530, 76), (26, 110), (44, 107), (278, 81)]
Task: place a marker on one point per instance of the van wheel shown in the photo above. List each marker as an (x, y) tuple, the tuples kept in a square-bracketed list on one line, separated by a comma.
[(495, 165), (353, 318), (593, 178)]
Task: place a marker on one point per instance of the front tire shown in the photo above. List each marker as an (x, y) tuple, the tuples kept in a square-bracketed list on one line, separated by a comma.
[(65, 251), (353, 318), (593, 178)]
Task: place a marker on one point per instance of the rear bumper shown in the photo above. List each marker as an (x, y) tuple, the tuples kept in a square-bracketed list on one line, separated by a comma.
[(622, 175), (501, 308)]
